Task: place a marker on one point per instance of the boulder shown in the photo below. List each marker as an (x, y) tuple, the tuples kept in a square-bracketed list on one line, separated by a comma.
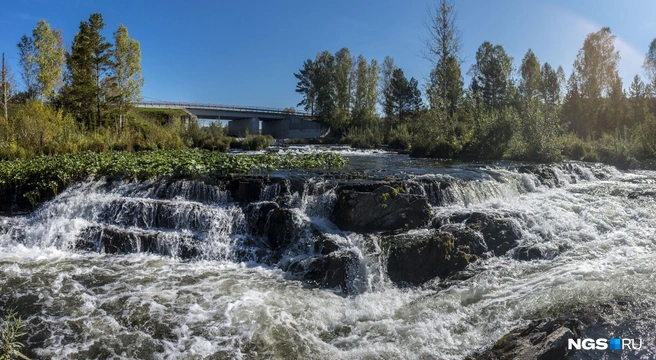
[(543, 339), (257, 214), (281, 229), (385, 208), (341, 270), (415, 260), (500, 234)]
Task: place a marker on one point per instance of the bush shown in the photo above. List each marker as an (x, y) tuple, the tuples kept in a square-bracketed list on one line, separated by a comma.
[(399, 138), (253, 142), (364, 138)]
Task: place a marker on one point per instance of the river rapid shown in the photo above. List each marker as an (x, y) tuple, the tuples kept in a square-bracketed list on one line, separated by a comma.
[(595, 227)]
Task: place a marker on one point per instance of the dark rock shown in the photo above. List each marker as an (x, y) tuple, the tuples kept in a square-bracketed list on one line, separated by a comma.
[(545, 174), (258, 216), (325, 246), (640, 193), (382, 209), (281, 229), (342, 270), (543, 339), (467, 238), (122, 241), (500, 234), (528, 253), (413, 261)]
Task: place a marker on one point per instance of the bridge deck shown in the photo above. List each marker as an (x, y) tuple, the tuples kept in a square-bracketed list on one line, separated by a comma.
[(220, 107)]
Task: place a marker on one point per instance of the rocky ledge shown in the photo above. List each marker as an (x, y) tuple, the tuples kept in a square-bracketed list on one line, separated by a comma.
[(547, 338)]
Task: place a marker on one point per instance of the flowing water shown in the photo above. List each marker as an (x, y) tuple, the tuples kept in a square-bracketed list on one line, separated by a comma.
[(594, 224)]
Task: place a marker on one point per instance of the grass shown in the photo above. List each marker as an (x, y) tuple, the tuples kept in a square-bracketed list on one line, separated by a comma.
[(48, 174), (12, 331)]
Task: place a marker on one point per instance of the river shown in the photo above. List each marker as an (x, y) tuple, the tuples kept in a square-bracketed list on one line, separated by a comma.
[(595, 228)]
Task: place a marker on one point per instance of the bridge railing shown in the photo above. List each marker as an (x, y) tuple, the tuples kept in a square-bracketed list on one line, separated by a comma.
[(171, 104)]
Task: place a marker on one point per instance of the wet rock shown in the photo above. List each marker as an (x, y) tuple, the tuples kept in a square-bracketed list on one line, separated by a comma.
[(245, 189), (281, 229), (545, 174), (325, 246), (543, 339), (415, 260), (468, 240), (500, 234), (528, 253), (258, 216), (641, 193), (341, 270), (122, 241), (385, 208)]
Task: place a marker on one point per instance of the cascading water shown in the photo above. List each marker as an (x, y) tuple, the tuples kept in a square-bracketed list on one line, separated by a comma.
[(191, 276)]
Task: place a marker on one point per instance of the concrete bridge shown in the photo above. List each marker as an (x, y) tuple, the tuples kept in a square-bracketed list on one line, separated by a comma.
[(279, 123)]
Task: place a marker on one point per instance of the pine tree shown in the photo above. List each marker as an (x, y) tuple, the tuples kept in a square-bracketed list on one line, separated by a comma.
[(306, 86), (492, 81), (445, 89), (88, 63), (531, 81)]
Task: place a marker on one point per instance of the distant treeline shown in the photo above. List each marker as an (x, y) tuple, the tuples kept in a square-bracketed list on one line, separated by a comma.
[(539, 115)]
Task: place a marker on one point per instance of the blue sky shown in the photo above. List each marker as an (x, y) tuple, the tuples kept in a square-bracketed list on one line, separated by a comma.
[(245, 52)]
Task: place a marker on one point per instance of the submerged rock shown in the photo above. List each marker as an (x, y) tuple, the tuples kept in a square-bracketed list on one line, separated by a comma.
[(385, 208)]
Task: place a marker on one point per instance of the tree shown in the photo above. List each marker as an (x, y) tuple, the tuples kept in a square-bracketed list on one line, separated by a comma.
[(550, 85), (365, 97), (650, 62), (386, 76), (445, 89), (88, 62), (305, 86), (637, 102), (7, 88), (572, 109), (531, 81), (126, 70), (492, 76), (650, 69), (343, 84), (49, 58), (596, 71), (324, 83), (403, 97), (28, 66)]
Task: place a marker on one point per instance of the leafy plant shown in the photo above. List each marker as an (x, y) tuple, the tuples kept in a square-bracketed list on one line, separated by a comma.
[(12, 331)]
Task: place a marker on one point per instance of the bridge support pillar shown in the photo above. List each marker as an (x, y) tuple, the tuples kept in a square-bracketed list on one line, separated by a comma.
[(242, 127)]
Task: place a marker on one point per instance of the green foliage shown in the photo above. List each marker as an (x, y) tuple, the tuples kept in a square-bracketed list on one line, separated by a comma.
[(12, 331), (253, 142), (49, 59), (492, 80), (364, 138), (399, 138), (50, 173), (402, 97), (126, 70)]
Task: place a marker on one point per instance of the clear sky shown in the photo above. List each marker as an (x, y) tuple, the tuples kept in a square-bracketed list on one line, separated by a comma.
[(245, 52)]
